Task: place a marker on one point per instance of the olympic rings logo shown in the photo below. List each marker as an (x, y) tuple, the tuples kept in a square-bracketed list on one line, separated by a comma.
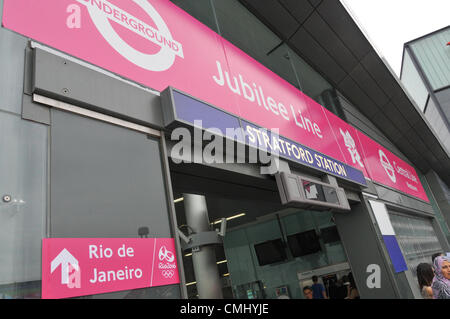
[(168, 273)]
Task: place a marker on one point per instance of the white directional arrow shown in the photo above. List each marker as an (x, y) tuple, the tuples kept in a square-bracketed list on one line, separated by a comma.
[(64, 258)]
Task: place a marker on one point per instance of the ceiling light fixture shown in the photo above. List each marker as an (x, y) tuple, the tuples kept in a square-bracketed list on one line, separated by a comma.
[(229, 218)]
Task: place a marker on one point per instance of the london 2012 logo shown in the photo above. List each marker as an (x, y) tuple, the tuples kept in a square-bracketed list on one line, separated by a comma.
[(103, 13), (387, 166), (351, 147), (166, 262)]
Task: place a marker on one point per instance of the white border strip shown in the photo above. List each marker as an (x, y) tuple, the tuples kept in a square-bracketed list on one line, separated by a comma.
[(382, 217), (370, 195), (95, 115)]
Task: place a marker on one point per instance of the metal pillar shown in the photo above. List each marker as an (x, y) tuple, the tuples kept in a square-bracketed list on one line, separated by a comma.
[(209, 284)]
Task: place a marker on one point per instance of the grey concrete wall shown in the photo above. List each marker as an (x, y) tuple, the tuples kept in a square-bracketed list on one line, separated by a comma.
[(12, 58), (408, 202), (363, 248)]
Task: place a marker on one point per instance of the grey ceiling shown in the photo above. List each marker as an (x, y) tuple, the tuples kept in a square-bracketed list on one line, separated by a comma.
[(325, 35)]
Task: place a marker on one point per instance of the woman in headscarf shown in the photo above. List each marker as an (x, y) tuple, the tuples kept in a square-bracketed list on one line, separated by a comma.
[(441, 281)]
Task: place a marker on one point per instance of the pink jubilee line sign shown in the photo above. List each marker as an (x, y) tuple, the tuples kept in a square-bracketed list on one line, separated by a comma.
[(74, 267), (155, 43)]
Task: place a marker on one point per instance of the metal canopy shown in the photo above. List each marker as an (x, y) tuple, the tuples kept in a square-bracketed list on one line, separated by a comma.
[(326, 36)]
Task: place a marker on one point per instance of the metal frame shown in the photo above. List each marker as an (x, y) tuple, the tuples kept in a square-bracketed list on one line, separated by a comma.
[(33, 45), (296, 197), (426, 82), (95, 115), (172, 215)]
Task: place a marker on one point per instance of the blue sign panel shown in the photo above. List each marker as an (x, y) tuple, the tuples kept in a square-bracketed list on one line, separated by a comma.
[(200, 114), (285, 148), (398, 261)]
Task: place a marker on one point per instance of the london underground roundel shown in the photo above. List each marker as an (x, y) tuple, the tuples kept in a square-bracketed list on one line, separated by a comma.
[(387, 166), (160, 61)]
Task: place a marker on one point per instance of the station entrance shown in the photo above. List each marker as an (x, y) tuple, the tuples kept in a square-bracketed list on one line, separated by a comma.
[(268, 251)]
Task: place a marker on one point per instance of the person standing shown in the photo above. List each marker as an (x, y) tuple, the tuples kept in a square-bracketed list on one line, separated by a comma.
[(425, 275), (441, 280), (318, 289), (346, 284), (342, 288), (307, 292), (353, 291)]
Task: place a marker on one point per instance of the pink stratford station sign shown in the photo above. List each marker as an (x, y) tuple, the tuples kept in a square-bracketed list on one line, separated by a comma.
[(74, 267), (157, 44)]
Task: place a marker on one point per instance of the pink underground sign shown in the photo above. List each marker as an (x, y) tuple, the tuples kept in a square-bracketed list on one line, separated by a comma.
[(74, 267), (155, 43)]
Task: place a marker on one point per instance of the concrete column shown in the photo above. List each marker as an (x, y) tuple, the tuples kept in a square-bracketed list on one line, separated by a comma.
[(363, 247), (209, 284)]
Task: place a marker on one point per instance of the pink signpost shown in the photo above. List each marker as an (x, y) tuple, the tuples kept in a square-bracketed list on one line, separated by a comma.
[(155, 43), (85, 266)]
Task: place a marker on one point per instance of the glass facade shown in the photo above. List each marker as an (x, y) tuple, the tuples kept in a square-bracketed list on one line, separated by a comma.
[(245, 267), (201, 10), (427, 80), (413, 82), (433, 56)]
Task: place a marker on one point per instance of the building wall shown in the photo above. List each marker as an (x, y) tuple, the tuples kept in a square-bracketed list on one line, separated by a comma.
[(425, 74), (30, 144), (413, 82), (40, 162), (433, 55), (426, 66)]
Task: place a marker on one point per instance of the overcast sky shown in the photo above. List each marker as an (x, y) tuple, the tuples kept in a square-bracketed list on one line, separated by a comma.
[(388, 24)]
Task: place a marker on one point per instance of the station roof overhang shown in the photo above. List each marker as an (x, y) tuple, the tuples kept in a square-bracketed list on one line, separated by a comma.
[(326, 35)]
